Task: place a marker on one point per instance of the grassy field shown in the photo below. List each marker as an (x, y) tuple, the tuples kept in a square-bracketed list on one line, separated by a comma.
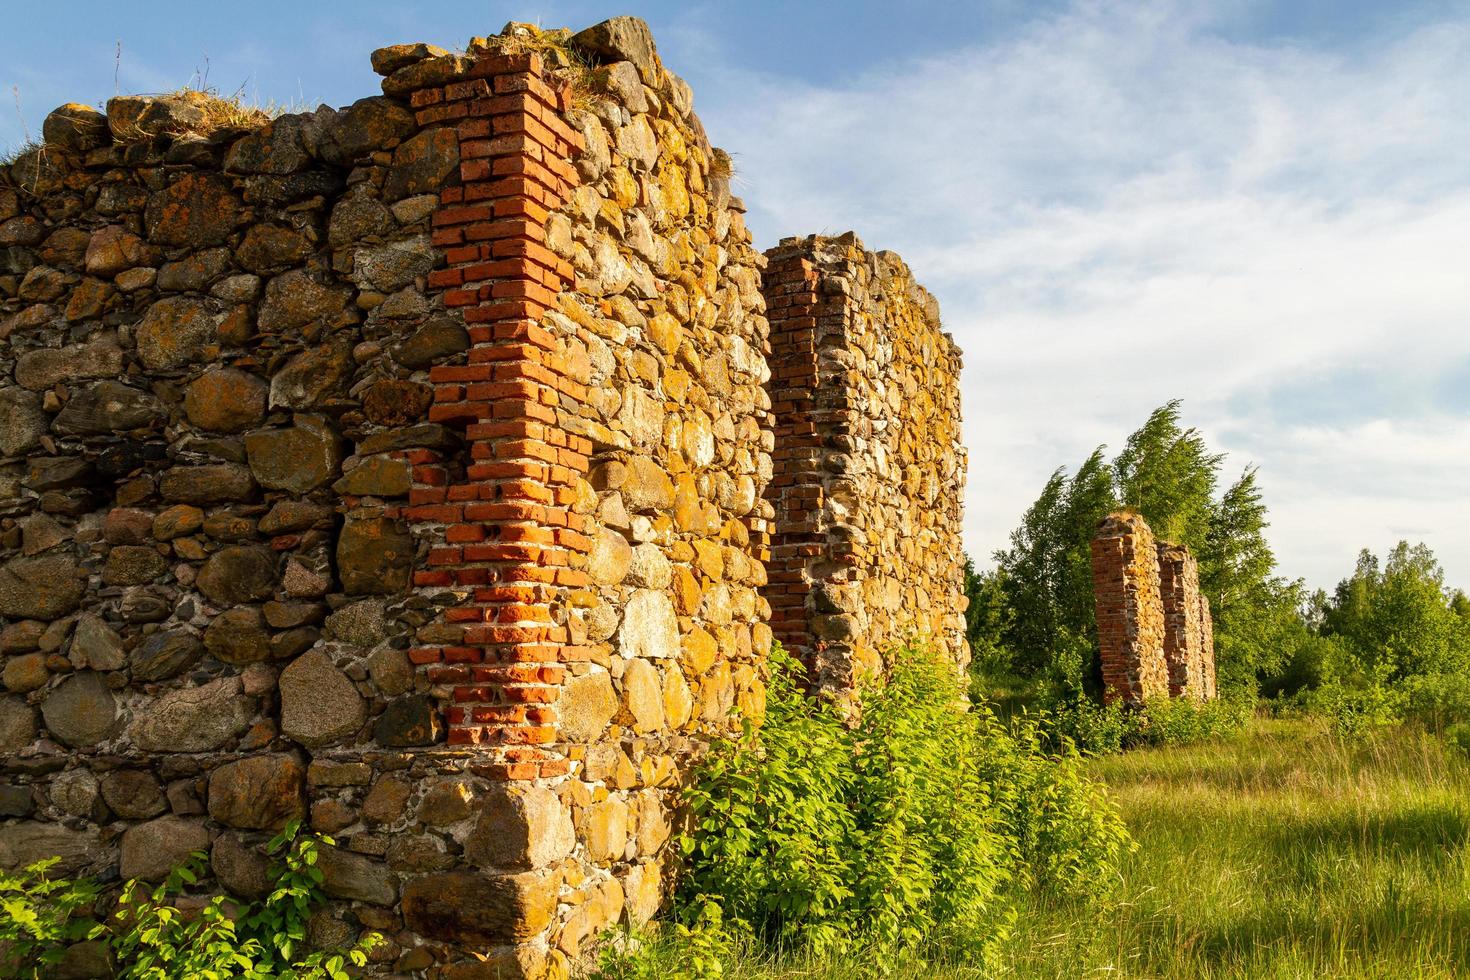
[(1283, 853)]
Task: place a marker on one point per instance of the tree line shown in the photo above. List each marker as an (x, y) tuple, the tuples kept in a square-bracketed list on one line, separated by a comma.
[(1031, 619)]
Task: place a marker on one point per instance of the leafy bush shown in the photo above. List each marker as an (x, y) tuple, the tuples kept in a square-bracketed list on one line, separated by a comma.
[(1105, 729), (910, 828), (1437, 701), (1184, 721), (775, 831), (697, 951), (41, 917), (1089, 727), (1357, 711), (150, 938), (1064, 835)]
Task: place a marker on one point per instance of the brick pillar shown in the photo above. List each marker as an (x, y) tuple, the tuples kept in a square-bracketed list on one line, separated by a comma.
[(508, 531), (868, 470), (1206, 649), (1130, 615), (790, 287), (1180, 596)]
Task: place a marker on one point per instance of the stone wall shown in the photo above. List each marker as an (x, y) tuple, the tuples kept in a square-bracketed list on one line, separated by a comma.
[(1207, 649), (662, 321), (403, 468), (216, 334), (869, 468), (1191, 663), (1153, 623)]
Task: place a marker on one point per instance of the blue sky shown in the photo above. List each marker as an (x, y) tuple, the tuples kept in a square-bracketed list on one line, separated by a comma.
[(1261, 208)]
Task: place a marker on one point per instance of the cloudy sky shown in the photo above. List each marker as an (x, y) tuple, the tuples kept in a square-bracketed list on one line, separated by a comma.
[(1260, 208)]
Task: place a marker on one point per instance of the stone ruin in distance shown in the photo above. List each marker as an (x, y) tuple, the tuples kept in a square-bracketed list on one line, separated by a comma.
[(437, 470), (1154, 629)]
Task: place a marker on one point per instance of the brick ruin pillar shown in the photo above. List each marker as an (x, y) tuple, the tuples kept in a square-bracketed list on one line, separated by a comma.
[(868, 468), (1130, 613), (1154, 626), (1183, 637), (1207, 649), (605, 535), (508, 530)]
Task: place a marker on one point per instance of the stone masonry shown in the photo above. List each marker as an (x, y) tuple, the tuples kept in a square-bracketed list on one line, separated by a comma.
[(1153, 623), (403, 468), (1191, 669), (869, 467)]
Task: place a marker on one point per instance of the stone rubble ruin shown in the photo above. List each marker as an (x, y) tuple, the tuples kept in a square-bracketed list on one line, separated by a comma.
[(439, 470), (1153, 623)]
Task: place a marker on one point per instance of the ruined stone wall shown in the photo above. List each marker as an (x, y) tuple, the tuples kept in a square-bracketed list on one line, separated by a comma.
[(1207, 648), (665, 317), (398, 467), (869, 468), (1130, 614), (1183, 628), (1154, 627), (215, 337)]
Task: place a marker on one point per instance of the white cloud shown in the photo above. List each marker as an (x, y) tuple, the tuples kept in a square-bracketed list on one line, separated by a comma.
[(1117, 207)]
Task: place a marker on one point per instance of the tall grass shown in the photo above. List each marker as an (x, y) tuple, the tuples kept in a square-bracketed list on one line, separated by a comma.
[(1284, 853)]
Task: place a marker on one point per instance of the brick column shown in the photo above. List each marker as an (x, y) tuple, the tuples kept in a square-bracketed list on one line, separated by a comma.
[(508, 528), (1130, 615), (790, 287), (1179, 593), (1206, 649)]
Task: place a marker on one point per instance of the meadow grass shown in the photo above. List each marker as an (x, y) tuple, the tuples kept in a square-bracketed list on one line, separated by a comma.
[(1282, 853)]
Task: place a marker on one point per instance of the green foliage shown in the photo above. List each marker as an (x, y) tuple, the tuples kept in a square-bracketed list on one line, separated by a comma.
[(775, 826), (150, 937), (1167, 474), (1357, 711), (933, 860), (1391, 644), (696, 951), (1045, 576), (153, 939), (1439, 702), (42, 915), (1398, 620), (1105, 729), (987, 619), (1183, 721), (909, 830), (1066, 836)]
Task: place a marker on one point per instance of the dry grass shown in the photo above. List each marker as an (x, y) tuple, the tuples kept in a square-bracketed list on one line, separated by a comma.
[(9, 155), (555, 48), (216, 112)]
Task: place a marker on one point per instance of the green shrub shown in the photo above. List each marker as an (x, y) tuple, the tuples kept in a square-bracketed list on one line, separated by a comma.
[(39, 917), (909, 830), (1437, 701), (1358, 711), (1065, 836), (150, 938), (696, 951), (775, 832), (1185, 721), (1089, 727), (1105, 729)]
